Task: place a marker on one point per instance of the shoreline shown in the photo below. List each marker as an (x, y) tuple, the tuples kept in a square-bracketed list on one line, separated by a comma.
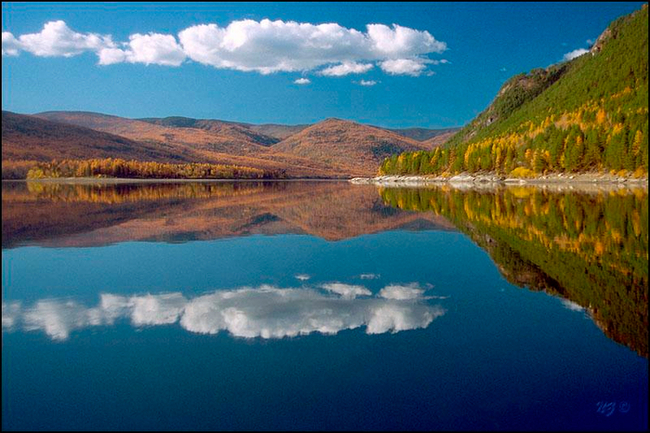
[(573, 181), (121, 180)]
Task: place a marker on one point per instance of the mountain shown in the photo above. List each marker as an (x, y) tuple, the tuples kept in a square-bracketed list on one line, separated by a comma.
[(423, 134), (587, 114), (331, 148), (440, 139), (278, 131), (217, 137), (348, 143), (31, 138), (229, 129)]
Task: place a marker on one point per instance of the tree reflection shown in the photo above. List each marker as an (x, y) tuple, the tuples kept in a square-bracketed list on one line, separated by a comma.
[(590, 248)]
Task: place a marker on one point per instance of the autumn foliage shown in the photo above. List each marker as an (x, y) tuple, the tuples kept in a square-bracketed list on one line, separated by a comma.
[(120, 168)]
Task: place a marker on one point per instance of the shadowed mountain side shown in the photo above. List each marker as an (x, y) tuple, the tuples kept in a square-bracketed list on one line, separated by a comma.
[(60, 215), (439, 139), (265, 134), (348, 143), (426, 135), (278, 131), (235, 130)]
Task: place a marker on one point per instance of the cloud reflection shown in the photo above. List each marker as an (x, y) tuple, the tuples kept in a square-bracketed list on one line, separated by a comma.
[(266, 312)]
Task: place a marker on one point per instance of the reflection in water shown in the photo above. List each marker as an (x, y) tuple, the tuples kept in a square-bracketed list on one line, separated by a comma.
[(266, 312), (589, 248), (59, 214)]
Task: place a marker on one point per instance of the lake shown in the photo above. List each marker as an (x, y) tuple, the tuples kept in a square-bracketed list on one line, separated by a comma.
[(323, 305)]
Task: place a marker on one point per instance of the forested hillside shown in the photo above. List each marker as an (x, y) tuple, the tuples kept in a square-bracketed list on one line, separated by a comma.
[(589, 114)]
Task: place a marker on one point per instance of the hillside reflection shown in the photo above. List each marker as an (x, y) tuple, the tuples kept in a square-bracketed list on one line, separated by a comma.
[(589, 248), (74, 214)]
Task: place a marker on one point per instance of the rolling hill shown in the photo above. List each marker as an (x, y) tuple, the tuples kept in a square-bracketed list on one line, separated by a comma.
[(344, 142), (331, 148), (31, 138)]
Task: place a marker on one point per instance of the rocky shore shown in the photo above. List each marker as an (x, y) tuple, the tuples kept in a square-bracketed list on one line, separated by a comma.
[(491, 180)]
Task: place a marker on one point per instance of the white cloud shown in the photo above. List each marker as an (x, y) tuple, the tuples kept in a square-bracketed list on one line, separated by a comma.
[(269, 312), (412, 67), (368, 276), (10, 45), (367, 83), (153, 48), (273, 46), (266, 312), (247, 45), (401, 292), (302, 81), (10, 314), (302, 277), (346, 68), (57, 39), (402, 41), (347, 291), (575, 53), (58, 318), (157, 310)]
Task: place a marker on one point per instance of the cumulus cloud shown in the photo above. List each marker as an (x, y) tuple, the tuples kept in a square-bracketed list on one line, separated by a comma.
[(266, 312), (57, 39), (347, 291), (302, 81), (153, 48), (346, 68), (272, 46), (575, 53), (246, 45), (412, 67), (401, 292), (10, 45), (367, 82)]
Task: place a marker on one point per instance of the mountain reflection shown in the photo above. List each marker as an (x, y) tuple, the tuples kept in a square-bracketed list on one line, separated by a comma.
[(589, 248), (68, 215), (267, 312)]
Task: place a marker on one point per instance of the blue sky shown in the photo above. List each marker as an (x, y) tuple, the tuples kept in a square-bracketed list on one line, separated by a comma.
[(430, 65)]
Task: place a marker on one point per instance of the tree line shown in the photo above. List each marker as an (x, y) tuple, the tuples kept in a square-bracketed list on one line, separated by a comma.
[(120, 168)]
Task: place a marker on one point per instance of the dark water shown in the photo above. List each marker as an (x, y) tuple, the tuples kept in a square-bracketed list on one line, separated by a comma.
[(294, 305)]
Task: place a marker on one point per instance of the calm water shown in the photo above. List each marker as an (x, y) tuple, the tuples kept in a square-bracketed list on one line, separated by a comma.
[(324, 305)]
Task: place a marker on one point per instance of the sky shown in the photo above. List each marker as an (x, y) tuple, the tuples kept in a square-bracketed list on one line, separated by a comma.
[(396, 65)]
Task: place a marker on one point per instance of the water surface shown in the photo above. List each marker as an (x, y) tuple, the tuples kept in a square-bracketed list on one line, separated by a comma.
[(322, 305)]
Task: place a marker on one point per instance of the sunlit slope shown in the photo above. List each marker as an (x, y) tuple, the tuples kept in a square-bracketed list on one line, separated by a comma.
[(589, 114)]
